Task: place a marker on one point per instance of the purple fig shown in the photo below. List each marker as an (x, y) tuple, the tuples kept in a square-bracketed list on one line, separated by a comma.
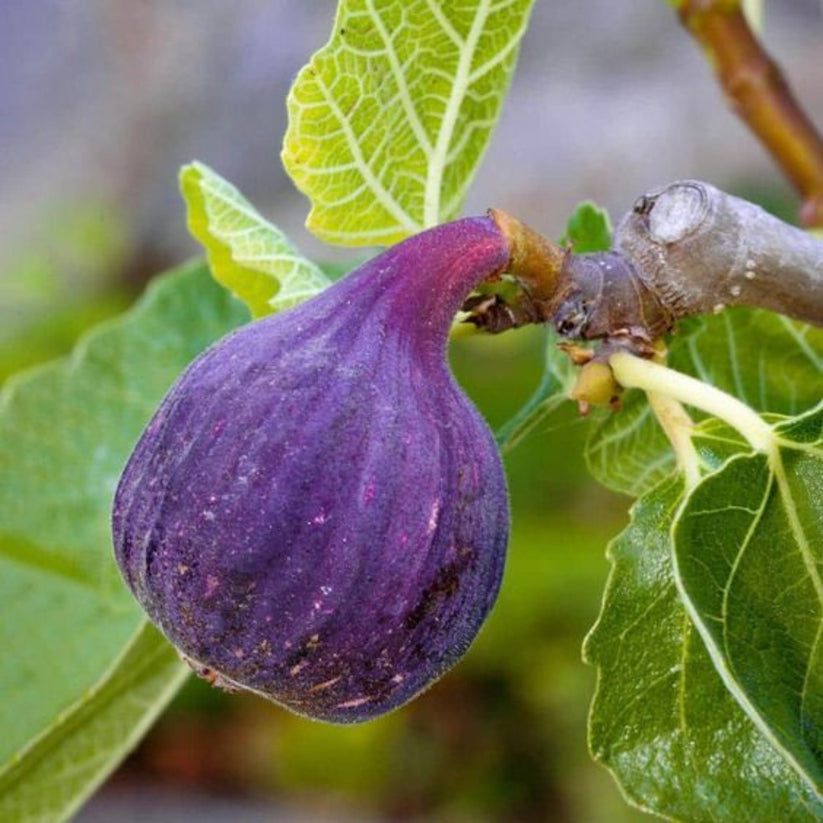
[(317, 513)]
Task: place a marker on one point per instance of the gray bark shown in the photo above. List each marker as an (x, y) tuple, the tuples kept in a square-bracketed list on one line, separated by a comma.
[(687, 248), (700, 250)]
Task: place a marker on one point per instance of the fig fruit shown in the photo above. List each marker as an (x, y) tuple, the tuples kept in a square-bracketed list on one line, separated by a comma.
[(316, 512)]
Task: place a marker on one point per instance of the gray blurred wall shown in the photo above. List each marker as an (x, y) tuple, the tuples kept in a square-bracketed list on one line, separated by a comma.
[(103, 100)]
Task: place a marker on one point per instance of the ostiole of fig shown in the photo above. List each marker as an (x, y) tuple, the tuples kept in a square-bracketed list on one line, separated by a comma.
[(316, 512)]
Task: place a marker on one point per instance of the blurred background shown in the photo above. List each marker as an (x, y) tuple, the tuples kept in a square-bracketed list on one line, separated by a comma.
[(100, 104)]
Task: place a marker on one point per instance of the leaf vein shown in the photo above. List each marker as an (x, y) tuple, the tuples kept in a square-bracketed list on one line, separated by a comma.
[(412, 117), (437, 165), (381, 194)]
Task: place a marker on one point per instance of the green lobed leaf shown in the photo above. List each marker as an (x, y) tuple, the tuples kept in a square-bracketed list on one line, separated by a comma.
[(771, 363), (662, 720), (247, 254), (389, 120), (627, 450), (69, 629), (748, 549)]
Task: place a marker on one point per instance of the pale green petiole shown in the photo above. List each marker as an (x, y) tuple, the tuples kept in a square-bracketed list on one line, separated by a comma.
[(637, 373), (678, 426)]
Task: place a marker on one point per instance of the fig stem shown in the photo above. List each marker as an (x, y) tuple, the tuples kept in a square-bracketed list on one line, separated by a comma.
[(685, 249), (534, 260)]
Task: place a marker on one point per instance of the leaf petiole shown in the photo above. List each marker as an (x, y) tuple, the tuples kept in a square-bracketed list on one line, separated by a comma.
[(636, 373), (676, 423)]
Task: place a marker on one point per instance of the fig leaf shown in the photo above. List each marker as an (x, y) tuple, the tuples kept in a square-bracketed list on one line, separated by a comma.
[(589, 229), (389, 120), (662, 721), (58, 770), (247, 254), (748, 554)]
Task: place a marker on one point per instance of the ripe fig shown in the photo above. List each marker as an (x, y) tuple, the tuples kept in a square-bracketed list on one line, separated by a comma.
[(316, 512)]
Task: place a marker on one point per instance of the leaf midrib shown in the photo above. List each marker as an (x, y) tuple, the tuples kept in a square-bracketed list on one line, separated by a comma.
[(724, 664), (437, 164)]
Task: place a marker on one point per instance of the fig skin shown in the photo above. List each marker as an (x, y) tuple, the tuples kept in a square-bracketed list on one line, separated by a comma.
[(317, 513)]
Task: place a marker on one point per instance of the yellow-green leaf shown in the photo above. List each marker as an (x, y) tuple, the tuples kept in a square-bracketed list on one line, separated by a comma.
[(389, 120), (247, 254), (753, 9)]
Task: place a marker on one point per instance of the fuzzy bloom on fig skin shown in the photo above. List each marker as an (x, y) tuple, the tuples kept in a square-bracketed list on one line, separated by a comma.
[(317, 513)]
